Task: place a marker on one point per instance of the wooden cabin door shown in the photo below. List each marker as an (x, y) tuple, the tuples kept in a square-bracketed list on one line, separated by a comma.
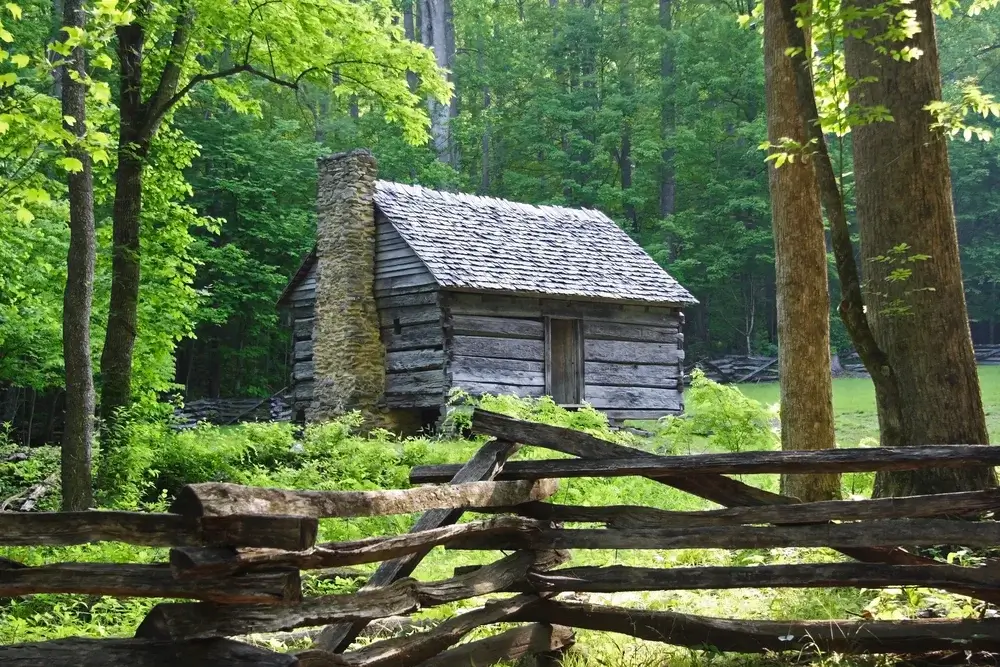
[(564, 361)]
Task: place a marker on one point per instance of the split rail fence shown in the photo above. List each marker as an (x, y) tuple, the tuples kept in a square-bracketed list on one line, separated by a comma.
[(238, 553)]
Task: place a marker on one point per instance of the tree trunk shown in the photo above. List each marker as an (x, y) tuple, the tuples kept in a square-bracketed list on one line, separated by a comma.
[(801, 279), (78, 430), (437, 34), (903, 187), (484, 173), (410, 31), (119, 340), (625, 149), (668, 117)]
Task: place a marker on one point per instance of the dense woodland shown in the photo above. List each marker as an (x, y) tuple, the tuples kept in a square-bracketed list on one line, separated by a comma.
[(650, 111), (819, 174)]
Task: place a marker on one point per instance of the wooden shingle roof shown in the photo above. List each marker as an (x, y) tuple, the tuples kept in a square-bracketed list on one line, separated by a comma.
[(483, 244), (486, 244)]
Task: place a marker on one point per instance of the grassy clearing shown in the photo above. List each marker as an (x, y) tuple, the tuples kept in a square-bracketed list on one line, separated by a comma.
[(330, 457), (854, 405)]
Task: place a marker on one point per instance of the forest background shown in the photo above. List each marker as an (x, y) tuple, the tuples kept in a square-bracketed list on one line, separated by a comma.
[(649, 110)]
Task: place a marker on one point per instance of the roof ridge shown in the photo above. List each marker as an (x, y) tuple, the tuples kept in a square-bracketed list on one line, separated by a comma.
[(414, 189)]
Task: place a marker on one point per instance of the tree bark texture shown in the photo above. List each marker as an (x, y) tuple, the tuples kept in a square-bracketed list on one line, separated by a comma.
[(852, 304), (163, 530), (668, 115), (923, 636), (800, 272), (903, 187), (221, 499), (77, 489), (967, 503), (142, 653), (437, 33), (119, 340)]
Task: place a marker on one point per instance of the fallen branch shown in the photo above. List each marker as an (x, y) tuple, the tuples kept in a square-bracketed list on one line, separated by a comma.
[(31, 495)]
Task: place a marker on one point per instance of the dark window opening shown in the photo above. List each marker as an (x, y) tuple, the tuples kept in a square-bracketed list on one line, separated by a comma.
[(396, 326)]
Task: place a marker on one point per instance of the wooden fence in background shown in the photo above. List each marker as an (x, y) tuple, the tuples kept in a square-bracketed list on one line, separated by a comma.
[(736, 368), (238, 552)]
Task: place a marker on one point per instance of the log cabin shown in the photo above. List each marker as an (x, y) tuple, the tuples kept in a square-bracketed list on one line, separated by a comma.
[(410, 292)]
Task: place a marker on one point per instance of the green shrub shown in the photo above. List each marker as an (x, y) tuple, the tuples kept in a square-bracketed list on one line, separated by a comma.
[(730, 420), (543, 410), (22, 467), (217, 454)]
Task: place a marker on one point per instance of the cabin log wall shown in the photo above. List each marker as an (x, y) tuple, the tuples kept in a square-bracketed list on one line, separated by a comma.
[(410, 319), (302, 302), (633, 355)]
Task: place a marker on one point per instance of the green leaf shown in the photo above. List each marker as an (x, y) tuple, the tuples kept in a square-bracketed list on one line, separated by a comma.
[(8, 79), (103, 61), (20, 60), (70, 164), (14, 10), (24, 215)]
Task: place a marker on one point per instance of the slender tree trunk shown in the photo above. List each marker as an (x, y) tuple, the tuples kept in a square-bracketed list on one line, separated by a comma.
[(438, 35), (58, 11), (484, 178), (668, 116), (903, 187), (625, 148), (119, 340), (625, 165), (801, 279), (410, 31), (78, 431)]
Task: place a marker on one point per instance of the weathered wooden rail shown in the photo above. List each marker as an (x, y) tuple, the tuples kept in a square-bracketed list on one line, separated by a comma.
[(238, 554)]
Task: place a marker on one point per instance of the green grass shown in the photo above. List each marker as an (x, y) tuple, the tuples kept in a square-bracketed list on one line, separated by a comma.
[(854, 405)]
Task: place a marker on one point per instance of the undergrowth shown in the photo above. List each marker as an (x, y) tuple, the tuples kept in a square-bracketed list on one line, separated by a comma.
[(334, 456)]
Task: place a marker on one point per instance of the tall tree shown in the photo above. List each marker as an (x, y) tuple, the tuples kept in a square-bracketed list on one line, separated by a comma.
[(78, 430), (437, 32), (800, 259), (909, 247), (668, 114), (169, 49)]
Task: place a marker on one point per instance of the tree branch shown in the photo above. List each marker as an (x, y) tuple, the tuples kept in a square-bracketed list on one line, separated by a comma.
[(161, 101)]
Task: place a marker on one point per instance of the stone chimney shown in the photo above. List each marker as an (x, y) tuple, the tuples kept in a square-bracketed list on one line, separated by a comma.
[(348, 356)]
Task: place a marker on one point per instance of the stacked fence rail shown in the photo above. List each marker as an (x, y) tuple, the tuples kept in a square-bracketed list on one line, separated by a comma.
[(237, 554)]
